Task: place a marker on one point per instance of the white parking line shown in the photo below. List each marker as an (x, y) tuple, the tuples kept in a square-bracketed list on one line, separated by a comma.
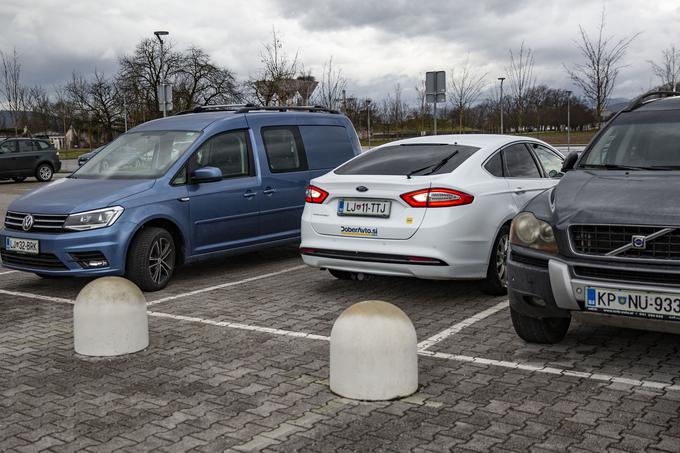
[(454, 329), (236, 325), (7, 272), (421, 351), (552, 370), (36, 296), (223, 285)]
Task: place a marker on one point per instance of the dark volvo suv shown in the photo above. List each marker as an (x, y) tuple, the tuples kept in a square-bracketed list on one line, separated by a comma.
[(24, 157), (605, 242)]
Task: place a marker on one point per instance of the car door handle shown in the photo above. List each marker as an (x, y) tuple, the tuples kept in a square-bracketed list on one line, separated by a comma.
[(520, 190), (269, 190), (249, 194), (184, 199)]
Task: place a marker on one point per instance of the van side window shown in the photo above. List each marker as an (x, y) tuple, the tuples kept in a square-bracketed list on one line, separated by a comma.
[(326, 146), (284, 148), (229, 152)]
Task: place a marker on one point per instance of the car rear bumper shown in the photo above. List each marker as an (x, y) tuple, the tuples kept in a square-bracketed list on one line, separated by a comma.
[(543, 286), (456, 259), (69, 254)]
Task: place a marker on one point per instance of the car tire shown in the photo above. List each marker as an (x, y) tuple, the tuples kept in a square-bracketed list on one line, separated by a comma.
[(44, 172), (496, 279), (19, 178), (151, 259), (346, 275), (539, 330)]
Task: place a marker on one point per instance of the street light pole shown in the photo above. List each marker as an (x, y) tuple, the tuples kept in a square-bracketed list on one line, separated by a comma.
[(501, 102), (368, 110), (160, 69), (568, 121)]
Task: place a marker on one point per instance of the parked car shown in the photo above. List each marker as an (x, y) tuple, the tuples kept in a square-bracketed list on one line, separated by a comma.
[(434, 207), (87, 156), (216, 180), (605, 242), (24, 157)]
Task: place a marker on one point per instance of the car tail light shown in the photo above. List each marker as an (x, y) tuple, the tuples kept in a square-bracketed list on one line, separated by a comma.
[(315, 195), (436, 198)]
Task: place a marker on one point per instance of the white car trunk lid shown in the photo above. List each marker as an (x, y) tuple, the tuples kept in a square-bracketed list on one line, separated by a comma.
[(403, 220)]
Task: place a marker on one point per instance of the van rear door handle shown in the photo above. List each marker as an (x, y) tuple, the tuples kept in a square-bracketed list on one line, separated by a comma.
[(249, 194), (269, 190)]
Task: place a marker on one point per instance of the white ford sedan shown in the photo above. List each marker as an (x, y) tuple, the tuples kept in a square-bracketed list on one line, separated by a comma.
[(436, 207)]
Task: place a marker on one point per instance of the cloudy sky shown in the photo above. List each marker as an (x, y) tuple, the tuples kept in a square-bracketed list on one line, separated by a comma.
[(376, 43)]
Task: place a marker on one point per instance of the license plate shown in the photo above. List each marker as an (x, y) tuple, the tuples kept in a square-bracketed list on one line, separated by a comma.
[(29, 246), (364, 207), (635, 303)]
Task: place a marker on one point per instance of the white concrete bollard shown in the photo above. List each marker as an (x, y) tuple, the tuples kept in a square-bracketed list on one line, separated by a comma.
[(109, 318), (373, 353)]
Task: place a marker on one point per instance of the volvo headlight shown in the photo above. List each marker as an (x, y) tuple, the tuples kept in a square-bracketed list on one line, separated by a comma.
[(528, 231), (92, 220)]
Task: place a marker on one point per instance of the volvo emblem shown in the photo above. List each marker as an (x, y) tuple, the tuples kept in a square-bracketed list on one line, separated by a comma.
[(27, 224), (639, 242), (362, 189)]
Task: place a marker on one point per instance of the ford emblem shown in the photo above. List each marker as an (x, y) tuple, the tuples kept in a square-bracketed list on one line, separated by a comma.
[(362, 189)]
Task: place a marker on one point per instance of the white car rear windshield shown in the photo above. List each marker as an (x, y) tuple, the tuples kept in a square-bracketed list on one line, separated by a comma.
[(411, 159)]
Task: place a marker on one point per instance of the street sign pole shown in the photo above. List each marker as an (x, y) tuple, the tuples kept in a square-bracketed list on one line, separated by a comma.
[(435, 91)]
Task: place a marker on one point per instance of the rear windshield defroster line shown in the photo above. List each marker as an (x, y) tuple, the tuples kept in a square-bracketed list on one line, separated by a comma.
[(404, 159)]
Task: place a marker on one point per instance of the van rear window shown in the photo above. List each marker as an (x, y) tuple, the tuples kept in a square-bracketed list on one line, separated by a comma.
[(414, 159), (326, 146)]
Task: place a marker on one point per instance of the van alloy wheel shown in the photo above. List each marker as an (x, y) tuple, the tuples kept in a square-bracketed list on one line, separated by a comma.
[(161, 260)]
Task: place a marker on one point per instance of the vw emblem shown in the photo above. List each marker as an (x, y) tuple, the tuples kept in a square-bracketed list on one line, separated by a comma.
[(362, 189), (27, 224), (639, 242)]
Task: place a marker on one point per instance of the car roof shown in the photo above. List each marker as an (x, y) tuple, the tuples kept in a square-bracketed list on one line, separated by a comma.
[(668, 103), (483, 141), (202, 120)]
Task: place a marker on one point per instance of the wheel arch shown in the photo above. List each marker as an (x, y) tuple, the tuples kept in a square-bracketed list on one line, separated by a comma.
[(171, 227)]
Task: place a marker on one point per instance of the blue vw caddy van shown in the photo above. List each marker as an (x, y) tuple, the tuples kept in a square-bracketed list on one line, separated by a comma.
[(170, 191)]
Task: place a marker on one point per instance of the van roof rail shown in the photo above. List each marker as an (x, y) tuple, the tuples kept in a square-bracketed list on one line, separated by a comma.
[(284, 108), (215, 108), (648, 97)]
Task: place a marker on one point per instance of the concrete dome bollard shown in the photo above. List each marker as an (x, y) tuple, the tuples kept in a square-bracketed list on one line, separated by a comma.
[(373, 353), (109, 318)]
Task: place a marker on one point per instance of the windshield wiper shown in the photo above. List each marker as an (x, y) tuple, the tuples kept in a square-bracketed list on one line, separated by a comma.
[(614, 167), (436, 166)]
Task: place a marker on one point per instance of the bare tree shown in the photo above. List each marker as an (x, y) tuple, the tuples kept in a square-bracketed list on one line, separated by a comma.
[(40, 109), (198, 81), (465, 87), (277, 67), (421, 98), (668, 69), (333, 83), (596, 76), (521, 79), (12, 90), (98, 99)]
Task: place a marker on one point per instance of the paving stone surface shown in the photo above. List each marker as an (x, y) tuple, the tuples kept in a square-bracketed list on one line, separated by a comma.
[(202, 387)]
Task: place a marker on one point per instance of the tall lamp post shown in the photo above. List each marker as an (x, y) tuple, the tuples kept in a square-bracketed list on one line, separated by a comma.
[(368, 112), (160, 69), (501, 103), (568, 121)]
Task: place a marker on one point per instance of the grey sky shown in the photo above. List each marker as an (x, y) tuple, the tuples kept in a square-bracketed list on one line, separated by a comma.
[(377, 44)]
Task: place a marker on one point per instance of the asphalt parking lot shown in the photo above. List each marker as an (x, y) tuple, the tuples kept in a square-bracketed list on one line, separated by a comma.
[(239, 360)]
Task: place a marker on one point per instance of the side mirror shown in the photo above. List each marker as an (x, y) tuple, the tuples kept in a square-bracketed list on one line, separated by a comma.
[(569, 162), (206, 174), (555, 174)]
